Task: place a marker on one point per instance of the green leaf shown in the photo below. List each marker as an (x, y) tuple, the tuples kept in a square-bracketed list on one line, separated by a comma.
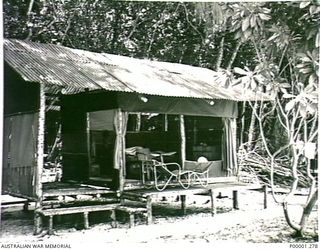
[(253, 84), (247, 34), (312, 108), (290, 105), (264, 16), (274, 36), (287, 95), (240, 71), (303, 111), (284, 85), (305, 70), (253, 20), (245, 24), (312, 80), (305, 59), (304, 4)]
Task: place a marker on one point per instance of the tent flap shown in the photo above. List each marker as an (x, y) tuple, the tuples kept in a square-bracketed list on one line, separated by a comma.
[(173, 105)]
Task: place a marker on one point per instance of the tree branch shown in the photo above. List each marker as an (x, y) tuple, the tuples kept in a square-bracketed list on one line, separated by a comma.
[(234, 54), (29, 19)]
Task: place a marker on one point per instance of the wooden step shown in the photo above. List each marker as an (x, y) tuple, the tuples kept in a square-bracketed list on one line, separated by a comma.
[(132, 211), (73, 210)]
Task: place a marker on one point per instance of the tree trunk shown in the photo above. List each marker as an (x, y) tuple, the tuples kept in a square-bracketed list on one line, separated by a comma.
[(220, 54), (242, 122), (307, 210), (252, 126), (234, 54), (29, 19), (115, 29)]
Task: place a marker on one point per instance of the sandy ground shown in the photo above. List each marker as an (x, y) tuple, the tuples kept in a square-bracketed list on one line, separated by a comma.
[(250, 224)]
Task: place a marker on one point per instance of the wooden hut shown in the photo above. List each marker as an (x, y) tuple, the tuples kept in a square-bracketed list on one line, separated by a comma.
[(107, 104)]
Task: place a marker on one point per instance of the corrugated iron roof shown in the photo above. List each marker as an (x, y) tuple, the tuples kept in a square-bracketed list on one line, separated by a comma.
[(75, 70)]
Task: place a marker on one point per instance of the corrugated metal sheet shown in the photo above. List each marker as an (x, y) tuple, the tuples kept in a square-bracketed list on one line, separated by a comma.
[(75, 70)]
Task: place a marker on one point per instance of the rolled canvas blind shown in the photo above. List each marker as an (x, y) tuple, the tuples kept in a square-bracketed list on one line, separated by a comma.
[(102, 120)]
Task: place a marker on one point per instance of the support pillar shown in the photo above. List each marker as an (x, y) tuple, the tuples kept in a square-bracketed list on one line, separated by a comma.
[(131, 220), (86, 220), (40, 160), (26, 206), (213, 202), (235, 199), (265, 196), (114, 219), (37, 223), (183, 140), (50, 225), (149, 210), (183, 204)]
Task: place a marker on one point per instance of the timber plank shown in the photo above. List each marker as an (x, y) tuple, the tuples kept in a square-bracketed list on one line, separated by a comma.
[(71, 210)]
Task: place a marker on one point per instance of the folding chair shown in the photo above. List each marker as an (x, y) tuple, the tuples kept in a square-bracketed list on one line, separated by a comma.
[(163, 171)]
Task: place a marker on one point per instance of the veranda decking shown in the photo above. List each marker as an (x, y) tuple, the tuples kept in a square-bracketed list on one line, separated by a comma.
[(148, 195)]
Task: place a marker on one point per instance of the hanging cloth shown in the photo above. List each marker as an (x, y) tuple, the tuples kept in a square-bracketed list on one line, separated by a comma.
[(120, 125), (229, 146)]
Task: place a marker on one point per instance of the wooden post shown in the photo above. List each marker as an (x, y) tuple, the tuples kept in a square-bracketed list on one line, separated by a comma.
[(26, 206), (183, 140), (235, 199), (86, 220), (120, 124), (265, 196), (2, 140), (37, 220), (113, 218), (213, 202), (131, 220), (165, 122), (122, 201), (138, 125), (183, 204), (149, 210), (50, 225), (233, 126), (39, 166), (88, 142)]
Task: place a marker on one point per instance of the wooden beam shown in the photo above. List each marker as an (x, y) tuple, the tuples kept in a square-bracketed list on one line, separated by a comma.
[(113, 218), (40, 157), (265, 196), (235, 199), (213, 202), (149, 210), (131, 220), (183, 204), (86, 220), (50, 225), (183, 140), (165, 122), (88, 141), (26, 206)]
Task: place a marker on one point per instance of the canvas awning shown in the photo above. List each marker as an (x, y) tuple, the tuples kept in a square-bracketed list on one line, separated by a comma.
[(73, 71)]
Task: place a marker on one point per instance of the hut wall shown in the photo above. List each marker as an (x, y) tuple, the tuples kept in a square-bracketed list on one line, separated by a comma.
[(21, 104)]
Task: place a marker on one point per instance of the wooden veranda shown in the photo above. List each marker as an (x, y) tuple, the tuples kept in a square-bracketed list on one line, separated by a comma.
[(148, 196)]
